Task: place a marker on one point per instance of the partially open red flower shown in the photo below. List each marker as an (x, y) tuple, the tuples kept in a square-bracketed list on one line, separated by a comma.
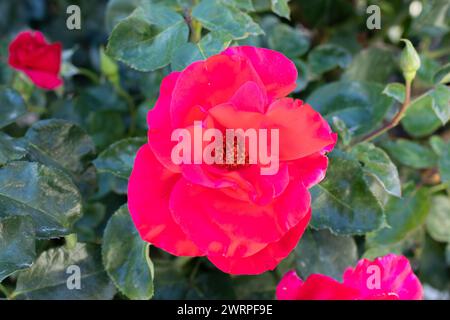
[(30, 53), (243, 221), (386, 278)]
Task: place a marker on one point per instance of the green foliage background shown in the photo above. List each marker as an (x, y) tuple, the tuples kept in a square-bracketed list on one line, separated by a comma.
[(65, 156)]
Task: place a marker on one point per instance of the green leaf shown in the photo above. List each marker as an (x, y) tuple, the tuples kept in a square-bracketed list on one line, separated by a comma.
[(211, 44), (441, 102), (104, 132), (9, 149), (438, 220), (125, 257), (172, 282), (89, 228), (443, 75), (117, 10), (220, 16), (344, 134), (303, 75), (64, 145), (12, 106), (246, 5), (50, 276), (410, 153), (361, 105), (214, 43), (100, 98), (148, 38), (257, 287), (362, 67), (281, 8), (293, 42), (185, 55), (17, 245), (378, 164), (343, 202), (444, 164), (324, 253), (403, 216), (395, 90), (45, 194), (420, 120), (118, 158), (327, 57)]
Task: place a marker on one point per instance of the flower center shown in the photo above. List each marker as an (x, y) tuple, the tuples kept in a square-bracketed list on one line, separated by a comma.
[(234, 155)]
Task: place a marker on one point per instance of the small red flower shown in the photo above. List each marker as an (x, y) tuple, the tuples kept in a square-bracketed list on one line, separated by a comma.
[(386, 278), (30, 53)]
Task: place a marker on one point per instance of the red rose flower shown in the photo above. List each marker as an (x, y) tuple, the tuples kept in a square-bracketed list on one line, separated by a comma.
[(386, 278), (30, 53), (244, 221)]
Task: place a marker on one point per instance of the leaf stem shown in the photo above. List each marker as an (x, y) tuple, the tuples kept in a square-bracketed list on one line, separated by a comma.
[(5, 291), (397, 118)]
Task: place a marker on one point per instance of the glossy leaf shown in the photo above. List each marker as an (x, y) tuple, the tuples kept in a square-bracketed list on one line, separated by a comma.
[(45, 194), (281, 8), (9, 149), (52, 276), (403, 215), (438, 220), (378, 164), (363, 65), (222, 17), (125, 257), (63, 145), (326, 57), (410, 153), (12, 106), (420, 120), (324, 253), (395, 90), (361, 105), (118, 158), (17, 244), (293, 42), (343, 202), (147, 39)]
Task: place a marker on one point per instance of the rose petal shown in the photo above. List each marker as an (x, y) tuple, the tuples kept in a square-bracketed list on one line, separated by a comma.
[(230, 227), (277, 72), (266, 259), (149, 189), (205, 84), (302, 130), (396, 278)]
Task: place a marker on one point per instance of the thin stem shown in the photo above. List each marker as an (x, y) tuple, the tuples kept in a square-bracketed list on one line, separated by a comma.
[(89, 74), (396, 120), (131, 107)]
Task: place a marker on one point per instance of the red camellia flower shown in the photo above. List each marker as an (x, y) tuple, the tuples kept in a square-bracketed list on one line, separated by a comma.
[(244, 221), (386, 278), (30, 53)]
